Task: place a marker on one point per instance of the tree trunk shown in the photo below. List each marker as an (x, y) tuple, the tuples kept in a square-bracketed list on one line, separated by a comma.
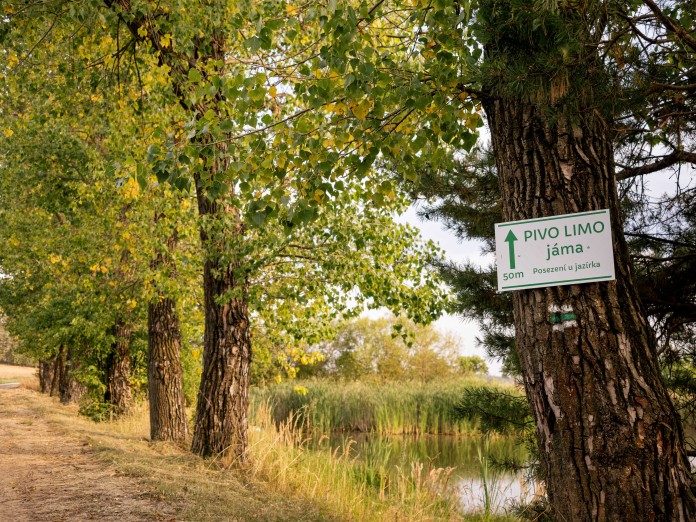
[(58, 371), (610, 440), (118, 374), (221, 411), (164, 373), (45, 375), (69, 389)]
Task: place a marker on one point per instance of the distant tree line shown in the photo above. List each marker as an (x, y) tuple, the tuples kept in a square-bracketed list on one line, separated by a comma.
[(383, 349)]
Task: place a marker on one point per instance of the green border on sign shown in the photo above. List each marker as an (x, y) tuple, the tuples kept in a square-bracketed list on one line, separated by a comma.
[(551, 283), (565, 216)]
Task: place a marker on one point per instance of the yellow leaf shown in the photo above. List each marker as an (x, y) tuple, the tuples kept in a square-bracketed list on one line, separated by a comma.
[(131, 189), (292, 10), (273, 91), (361, 109), (8, 133)]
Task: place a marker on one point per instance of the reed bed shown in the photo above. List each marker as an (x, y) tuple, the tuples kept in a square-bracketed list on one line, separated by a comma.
[(394, 408), (369, 488)]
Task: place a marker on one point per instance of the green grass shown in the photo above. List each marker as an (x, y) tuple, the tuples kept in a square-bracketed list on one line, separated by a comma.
[(354, 489), (397, 408)]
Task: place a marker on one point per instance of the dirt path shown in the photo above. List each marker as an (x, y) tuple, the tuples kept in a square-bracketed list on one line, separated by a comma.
[(46, 476)]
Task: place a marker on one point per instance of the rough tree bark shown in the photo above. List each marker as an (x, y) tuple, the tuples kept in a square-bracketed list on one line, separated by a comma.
[(164, 373), (118, 371), (69, 390), (45, 375), (165, 376), (610, 440), (221, 412)]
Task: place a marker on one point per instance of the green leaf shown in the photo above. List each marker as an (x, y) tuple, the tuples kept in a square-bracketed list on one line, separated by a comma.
[(253, 44), (194, 75)]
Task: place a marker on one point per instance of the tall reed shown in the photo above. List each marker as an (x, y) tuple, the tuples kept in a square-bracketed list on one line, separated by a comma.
[(384, 408), (355, 489), (489, 478)]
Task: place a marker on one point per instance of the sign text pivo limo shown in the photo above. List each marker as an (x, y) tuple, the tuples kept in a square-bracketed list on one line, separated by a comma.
[(553, 251)]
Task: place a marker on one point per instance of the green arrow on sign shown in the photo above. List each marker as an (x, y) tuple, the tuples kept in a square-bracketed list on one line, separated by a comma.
[(510, 240)]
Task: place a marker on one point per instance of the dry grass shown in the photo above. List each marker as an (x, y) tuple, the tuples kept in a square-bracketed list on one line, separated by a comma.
[(25, 375), (47, 476), (353, 489), (203, 490)]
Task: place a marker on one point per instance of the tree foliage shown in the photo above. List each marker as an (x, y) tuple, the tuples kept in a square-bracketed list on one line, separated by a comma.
[(391, 349), (91, 199)]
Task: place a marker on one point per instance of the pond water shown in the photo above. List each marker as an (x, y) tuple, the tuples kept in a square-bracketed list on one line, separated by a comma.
[(476, 474)]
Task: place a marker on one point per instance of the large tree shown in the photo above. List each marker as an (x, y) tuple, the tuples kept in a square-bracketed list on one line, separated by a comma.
[(611, 442), (557, 137)]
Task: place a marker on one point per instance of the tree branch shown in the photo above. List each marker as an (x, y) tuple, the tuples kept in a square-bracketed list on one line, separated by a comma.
[(679, 156), (671, 25), (660, 239)]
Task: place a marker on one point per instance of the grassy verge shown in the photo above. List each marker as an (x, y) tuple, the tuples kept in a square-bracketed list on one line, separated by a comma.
[(383, 408), (355, 489), (201, 490)]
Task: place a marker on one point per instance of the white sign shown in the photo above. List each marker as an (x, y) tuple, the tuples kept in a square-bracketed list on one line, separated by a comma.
[(554, 251)]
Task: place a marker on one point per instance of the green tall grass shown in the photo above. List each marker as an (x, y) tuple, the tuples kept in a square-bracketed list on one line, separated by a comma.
[(369, 488), (395, 408)]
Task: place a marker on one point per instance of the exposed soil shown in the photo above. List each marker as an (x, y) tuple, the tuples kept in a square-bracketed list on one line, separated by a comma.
[(48, 476)]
